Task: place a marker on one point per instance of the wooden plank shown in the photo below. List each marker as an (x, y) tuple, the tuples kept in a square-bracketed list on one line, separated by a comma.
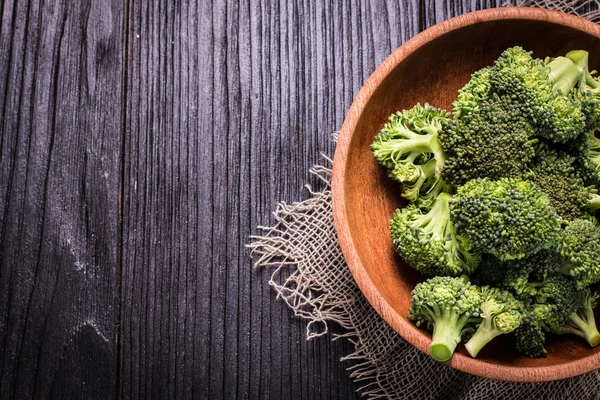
[(61, 75), (228, 105)]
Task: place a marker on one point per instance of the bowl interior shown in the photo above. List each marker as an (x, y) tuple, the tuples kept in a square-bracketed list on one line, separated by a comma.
[(433, 73)]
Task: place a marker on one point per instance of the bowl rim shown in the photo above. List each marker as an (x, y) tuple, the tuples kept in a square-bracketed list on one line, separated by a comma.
[(407, 330)]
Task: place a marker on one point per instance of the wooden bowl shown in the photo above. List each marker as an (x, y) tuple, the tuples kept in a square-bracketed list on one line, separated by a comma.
[(431, 67)]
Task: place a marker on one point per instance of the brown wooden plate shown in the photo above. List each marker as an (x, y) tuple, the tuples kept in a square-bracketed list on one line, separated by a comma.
[(431, 68)]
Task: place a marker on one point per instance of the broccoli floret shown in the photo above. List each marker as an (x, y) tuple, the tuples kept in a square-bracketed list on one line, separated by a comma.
[(588, 89), (473, 94), (495, 142), (529, 336), (508, 218), (428, 242), (593, 147), (562, 308), (501, 313), (579, 243), (446, 306), (525, 276), (408, 147), (582, 322), (490, 271), (544, 88), (556, 174)]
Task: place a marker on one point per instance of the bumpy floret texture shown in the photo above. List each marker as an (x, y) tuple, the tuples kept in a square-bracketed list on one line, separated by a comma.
[(495, 142), (473, 94), (508, 218), (542, 88), (505, 191), (428, 242), (580, 245), (530, 337), (556, 175), (523, 277)]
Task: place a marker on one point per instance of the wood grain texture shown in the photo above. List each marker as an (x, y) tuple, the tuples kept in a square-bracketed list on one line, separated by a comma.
[(228, 105), (364, 198), (60, 128)]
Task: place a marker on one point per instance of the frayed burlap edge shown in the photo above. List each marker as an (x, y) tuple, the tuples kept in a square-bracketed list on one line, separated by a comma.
[(318, 287)]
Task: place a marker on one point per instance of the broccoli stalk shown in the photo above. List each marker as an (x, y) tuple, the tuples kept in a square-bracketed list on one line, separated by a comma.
[(582, 322), (594, 203), (587, 81), (447, 306), (405, 146), (501, 313), (563, 73)]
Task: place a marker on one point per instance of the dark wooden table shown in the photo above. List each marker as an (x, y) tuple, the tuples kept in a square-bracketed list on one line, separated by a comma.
[(141, 142)]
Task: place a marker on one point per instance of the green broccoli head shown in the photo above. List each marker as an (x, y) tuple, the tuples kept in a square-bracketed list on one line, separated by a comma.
[(529, 336), (524, 277), (495, 142), (556, 174), (490, 271), (582, 321), (447, 306), (544, 89), (579, 243), (501, 313), (408, 147), (593, 147), (428, 242), (588, 89), (562, 308), (473, 94), (508, 218)]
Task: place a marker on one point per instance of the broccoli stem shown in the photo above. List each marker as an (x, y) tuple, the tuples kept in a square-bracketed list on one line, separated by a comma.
[(594, 203), (484, 334), (580, 58), (436, 220), (446, 334), (564, 73), (584, 327)]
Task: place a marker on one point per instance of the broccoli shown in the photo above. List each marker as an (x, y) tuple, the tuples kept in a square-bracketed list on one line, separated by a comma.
[(579, 243), (582, 322), (408, 147), (475, 92), (490, 271), (588, 89), (428, 242), (508, 218), (544, 88), (500, 314), (524, 277), (529, 336), (555, 173), (447, 306), (495, 142), (593, 147), (562, 308)]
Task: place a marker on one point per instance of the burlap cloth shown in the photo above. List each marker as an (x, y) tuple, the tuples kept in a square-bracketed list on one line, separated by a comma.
[(319, 288)]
